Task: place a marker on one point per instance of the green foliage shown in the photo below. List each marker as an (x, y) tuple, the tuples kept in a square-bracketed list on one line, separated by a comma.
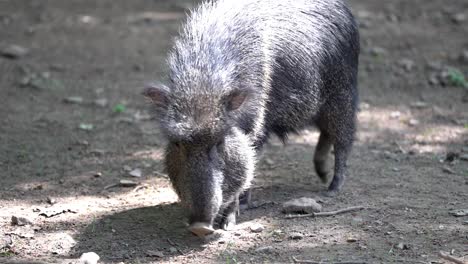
[(7, 253), (456, 78), (119, 108)]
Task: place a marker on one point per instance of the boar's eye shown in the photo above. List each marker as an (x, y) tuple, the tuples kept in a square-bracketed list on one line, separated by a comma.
[(235, 99)]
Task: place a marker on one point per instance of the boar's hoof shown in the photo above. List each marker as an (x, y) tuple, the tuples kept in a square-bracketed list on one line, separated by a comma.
[(229, 222), (201, 229)]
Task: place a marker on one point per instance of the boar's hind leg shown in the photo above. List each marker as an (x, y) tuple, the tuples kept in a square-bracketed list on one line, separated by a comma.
[(227, 217), (337, 126), (322, 158), (245, 199)]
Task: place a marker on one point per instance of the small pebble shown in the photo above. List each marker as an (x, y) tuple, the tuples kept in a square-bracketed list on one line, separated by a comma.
[(302, 205), (127, 183), (464, 157), (395, 114), (20, 221), (377, 51), (419, 104), (51, 200), (135, 173), (459, 18), (413, 122), (6, 242), (403, 246), (13, 52), (463, 58), (448, 170), (101, 102), (264, 249), (73, 100), (154, 253), (257, 228), (406, 64), (89, 258), (173, 250), (296, 236)]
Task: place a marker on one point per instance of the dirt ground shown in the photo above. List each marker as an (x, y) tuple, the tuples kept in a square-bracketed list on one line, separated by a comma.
[(73, 123)]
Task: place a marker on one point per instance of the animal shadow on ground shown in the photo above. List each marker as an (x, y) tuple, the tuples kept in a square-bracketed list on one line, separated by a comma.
[(142, 233), (137, 233)]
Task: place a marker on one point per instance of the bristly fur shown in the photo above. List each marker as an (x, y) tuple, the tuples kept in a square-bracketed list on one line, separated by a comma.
[(244, 69)]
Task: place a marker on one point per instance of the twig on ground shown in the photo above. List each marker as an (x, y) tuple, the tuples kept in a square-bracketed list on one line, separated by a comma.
[(260, 205), (304, 261), (341, 211), (161, 174), (111, 186), (413, 261), (140, 187), (451, 258), (175, 245)]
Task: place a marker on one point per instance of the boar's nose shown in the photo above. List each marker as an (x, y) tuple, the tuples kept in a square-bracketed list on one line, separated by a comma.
[(201, 229)]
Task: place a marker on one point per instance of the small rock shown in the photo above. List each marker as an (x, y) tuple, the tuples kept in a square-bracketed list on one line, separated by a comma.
[(23, 232), (264, 249), (127, 168), (89, 258), (452, 156), (303, 205), (13, 52), (139, 116), (464, 157), (413, 122), (257, 228), (73, 100), (51, 200), (173, 250), (87, 19), (97, 174), (20, 221), (377, 51), (154, 253), (459, 212), (135, 173), (395, 114), (464, 57), (459, 18), (277, 232), (434, 79), (86, 127), (419, 104), (448, 170), (351, 239), (406, 64), (97, 152), (364, 106), (6, 242), (403, 246), (296, 236), (127, 183), (101, 102), (269, 161)]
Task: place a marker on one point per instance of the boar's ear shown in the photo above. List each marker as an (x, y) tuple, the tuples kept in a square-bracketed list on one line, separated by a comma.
[(236, 98), (158, 93)]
